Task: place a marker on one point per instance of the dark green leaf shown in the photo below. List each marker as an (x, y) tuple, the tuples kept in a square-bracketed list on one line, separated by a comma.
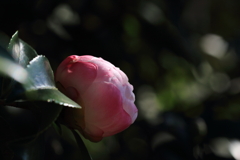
[(46, 114), (49, 114), (4, 39), (84, 152), (10, 72), (5, 54), (43, 86), (36, 82), (32, 151), (23, 122), (51, 95), (6, 86), (57, 127), (21, 51)]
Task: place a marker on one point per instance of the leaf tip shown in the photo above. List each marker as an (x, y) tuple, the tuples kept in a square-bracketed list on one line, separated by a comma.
[(13, 38), (64, 104), (15, 34)]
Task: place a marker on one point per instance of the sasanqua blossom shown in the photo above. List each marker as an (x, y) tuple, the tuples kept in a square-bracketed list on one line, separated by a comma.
[(104, 93)]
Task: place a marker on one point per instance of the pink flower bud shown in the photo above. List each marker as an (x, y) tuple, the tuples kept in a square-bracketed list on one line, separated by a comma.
[(104, 93)]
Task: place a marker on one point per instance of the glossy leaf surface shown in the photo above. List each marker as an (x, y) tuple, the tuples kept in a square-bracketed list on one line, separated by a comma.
[(39, 84), (9, 68), (21, 51), (43, 86)]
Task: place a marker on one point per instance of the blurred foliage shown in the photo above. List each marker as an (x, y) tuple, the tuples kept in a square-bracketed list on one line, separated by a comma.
[(182, 58)]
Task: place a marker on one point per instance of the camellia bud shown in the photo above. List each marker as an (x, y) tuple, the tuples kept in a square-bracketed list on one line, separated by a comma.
[(104, 93)]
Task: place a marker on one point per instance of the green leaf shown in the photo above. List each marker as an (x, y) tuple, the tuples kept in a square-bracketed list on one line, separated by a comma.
[(9, 68), (57, 127), (49, 114), (40, 72), (43, 86), (6, 86), (51, 95), (84, 152), (12, 63), (45, 113), (10, 72), (21, 130), (21, 51), (40, 85), (32, 151)]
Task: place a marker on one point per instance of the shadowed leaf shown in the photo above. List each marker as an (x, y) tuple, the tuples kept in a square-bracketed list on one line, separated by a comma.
[(57, 127), (45, 113), (32, 151), (84, 152)]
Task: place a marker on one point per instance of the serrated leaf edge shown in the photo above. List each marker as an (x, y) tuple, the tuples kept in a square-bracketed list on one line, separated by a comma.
[(62, 104), (51, 100), (34, 59)]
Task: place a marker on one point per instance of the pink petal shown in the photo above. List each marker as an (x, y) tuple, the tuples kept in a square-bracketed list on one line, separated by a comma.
[(103, 108), (78, 74)]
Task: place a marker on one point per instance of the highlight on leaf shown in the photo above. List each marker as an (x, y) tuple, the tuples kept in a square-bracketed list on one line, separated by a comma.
[(33, 73), (21, 51), (9, 68)]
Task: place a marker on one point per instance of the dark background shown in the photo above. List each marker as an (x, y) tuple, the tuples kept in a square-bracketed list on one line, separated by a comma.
[(182, 57)]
